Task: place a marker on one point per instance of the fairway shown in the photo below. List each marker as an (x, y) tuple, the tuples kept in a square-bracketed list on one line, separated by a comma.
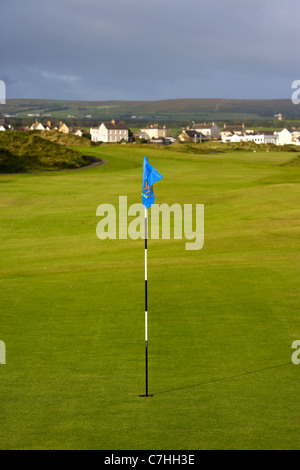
[(222, 320)]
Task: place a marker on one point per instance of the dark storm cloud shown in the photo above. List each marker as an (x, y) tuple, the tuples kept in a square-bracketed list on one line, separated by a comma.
[(149, 49)]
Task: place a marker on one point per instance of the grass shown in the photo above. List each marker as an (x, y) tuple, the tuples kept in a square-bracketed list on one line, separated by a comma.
[(221, 320), (211, 146), (26, 152), (63, 139), (293, 162)]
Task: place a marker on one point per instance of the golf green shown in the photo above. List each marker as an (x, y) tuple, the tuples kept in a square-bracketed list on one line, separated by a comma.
[(222, 320)]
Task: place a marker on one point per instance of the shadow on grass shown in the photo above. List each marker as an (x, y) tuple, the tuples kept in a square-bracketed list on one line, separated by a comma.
[(223, 378)]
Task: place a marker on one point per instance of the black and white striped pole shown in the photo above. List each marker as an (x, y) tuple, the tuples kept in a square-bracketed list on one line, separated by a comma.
[(150, 176), (146, 301), (146, 308)]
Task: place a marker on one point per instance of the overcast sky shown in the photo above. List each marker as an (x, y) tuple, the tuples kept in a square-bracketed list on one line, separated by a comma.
[(149, 49)]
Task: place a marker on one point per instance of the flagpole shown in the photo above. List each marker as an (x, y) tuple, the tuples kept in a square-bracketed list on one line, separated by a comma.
[(150, 176), (146, 300)]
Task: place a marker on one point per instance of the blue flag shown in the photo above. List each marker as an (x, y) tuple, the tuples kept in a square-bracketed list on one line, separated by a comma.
[(150, 176)]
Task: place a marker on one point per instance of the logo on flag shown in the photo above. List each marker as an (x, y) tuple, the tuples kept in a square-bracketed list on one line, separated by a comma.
[(150, 176)]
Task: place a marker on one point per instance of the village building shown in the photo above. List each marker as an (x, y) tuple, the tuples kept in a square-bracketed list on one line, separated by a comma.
[(190, 135), (49, 127), (140, 135), (154, 131), (208, 130), (110, 132), (229, 131), (78, 132), (63, 128), (37, 126), (295, 135), (281, 137), (270, 138), (160, 141), (284, 137), (266, 137)]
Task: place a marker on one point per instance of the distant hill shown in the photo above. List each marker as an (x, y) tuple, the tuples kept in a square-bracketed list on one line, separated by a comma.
[(175, 109)]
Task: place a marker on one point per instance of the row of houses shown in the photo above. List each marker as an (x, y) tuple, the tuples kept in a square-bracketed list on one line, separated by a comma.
[(114, 132), (38, 126), (278, 137), (111, 131), (200, 132), (60, 127), (5, 127), (239, 133)]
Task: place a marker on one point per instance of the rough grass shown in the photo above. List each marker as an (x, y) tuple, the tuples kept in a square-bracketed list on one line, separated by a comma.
[(64, 139), (293, 162), (209, 147), (24, 152)]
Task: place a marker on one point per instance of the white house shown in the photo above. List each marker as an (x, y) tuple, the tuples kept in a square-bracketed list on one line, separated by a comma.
[(37, 126), (210, 131), (236, 138), (295, 135), (270, 138), (154, 131), (284, 137), (230, 131), (110, 132), (266, 137), (233, 138), (77, 132)]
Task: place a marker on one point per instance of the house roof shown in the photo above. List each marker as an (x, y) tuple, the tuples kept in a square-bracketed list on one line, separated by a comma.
[(113, 125), (36, 125), (193, 133), (282, 130), (117, 125), (267, 133)]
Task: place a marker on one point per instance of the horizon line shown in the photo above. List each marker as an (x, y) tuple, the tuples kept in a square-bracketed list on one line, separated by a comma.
[(150, 100)]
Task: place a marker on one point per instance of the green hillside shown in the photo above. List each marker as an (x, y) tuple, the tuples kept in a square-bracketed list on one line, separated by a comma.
[(63, 139), (25, 152), (176, 109)]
